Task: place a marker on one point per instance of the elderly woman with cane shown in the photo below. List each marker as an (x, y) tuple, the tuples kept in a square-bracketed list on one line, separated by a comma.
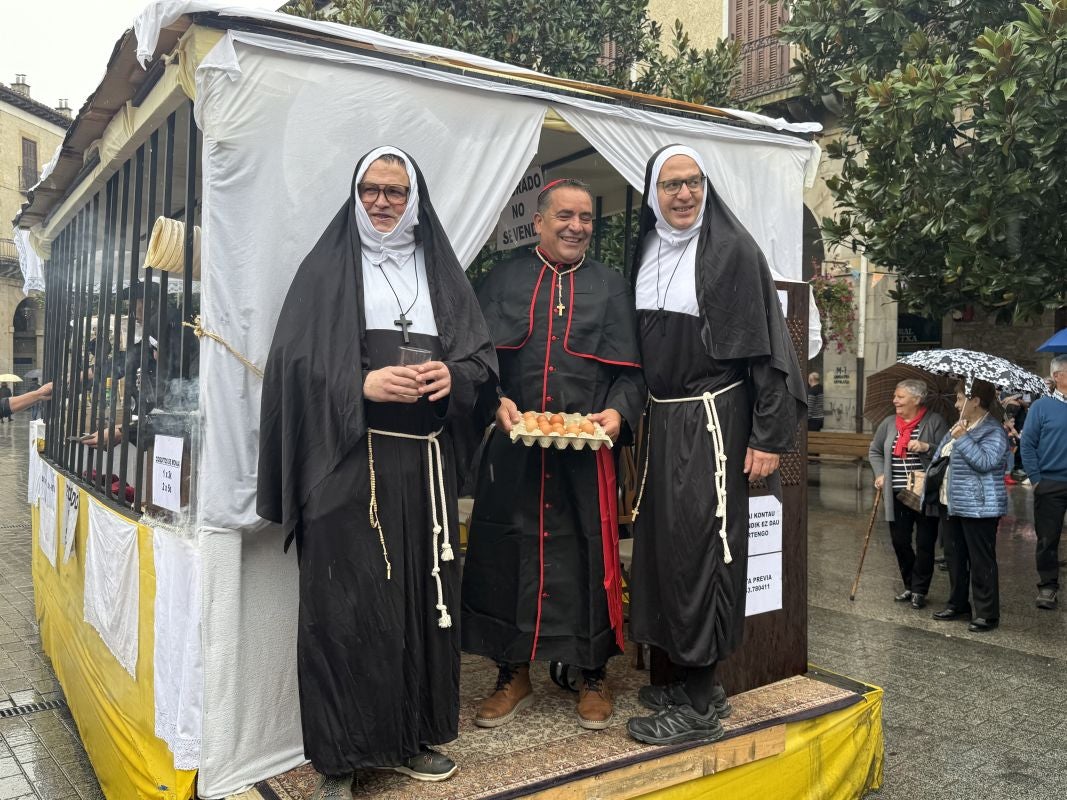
[(903, 446), (973, 499)]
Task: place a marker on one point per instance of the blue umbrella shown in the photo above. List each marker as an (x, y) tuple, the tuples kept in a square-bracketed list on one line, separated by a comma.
[(1057, 344)]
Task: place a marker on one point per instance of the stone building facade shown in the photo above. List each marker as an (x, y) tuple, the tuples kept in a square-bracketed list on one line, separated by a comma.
[(30, 132)]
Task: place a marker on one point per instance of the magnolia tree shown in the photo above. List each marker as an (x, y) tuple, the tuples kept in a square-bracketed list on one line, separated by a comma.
[(954, 149)]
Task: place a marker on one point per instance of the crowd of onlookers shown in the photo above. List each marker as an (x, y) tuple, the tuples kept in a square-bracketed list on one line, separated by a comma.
[(950, 481)]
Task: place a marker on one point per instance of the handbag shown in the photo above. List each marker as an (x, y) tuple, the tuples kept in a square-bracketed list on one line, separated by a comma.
[(935, 476), (913, 495)]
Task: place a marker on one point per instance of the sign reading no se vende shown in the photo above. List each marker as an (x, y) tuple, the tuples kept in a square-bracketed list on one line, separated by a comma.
[(516, 226)]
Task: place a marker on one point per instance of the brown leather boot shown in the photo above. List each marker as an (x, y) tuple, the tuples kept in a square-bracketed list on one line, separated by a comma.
[(595, 707), (513, 694)]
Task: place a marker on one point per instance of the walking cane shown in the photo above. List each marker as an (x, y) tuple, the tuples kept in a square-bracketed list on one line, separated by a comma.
[(866, 541)]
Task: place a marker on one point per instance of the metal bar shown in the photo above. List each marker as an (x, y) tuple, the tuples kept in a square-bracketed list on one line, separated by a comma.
[(103, 346), (66, 331), (627, 234), (117, 352), (150, 324), (598, 227), (51, 295), (163, 358), (190, 221), (563, 160), (53, 317), (77, 361), (130, 380), (90, 278)]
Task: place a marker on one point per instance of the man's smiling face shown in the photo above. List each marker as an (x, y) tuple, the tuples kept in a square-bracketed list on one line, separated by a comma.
[(682, 209)]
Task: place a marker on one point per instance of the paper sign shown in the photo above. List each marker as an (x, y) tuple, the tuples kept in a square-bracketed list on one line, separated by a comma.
[(783, 299), (71, 510), (764, 592), (515, 227), (46, 529), (167, 473), (33, 479), (764, 525)]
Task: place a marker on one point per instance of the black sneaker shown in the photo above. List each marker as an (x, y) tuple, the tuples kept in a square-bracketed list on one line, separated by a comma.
[(658, 698), (429, 765), (677, 724)]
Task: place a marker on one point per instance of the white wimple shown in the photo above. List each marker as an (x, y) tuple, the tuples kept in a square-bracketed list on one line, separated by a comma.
[(718, 449)]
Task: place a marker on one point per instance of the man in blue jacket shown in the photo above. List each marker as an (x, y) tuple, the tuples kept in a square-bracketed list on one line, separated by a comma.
[(1044, 448)]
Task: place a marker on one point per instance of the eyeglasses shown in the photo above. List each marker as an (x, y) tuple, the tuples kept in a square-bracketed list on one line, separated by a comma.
[(369, 192), (671, 188)]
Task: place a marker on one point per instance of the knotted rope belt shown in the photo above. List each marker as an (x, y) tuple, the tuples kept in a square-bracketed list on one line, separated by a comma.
[(436, 481), (718, 447)]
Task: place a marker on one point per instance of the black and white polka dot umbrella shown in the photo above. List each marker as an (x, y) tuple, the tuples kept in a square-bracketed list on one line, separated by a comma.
[(970, 365)]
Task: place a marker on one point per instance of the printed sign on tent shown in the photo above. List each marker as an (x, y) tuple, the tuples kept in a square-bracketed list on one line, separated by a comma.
[(33, 480), (71, 510), (764, 584), (167, 473), (46, 529), (516, 226)]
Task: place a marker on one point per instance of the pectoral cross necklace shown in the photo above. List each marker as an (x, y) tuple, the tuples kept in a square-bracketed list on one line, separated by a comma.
[(404, 322), (560, 308)]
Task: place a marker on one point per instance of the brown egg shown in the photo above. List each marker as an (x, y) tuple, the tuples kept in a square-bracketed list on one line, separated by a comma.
[(556, 419), (587, 427), (544, 427), (541, 418), (557, 428), (573, 429)]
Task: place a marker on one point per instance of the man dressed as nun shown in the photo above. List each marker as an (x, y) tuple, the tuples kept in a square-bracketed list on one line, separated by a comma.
[(357, 464), (726, 394)]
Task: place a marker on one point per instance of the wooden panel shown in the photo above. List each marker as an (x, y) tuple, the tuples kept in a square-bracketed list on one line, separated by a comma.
[(671, 770)]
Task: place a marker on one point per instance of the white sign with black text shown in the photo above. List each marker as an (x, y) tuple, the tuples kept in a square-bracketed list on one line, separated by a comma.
[(167, 473), (764, 580), (516, 226), (46, 529)]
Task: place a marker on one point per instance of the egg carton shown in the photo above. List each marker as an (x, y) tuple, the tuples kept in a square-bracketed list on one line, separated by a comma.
[(561, 441)]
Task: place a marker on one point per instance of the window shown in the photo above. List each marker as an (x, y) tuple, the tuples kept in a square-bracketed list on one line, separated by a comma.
[(29, 172)]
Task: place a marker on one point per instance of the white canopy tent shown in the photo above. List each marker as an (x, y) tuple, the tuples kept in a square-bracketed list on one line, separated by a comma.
[(284, 122)]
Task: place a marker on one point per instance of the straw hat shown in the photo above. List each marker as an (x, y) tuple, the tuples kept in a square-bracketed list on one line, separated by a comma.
[(166, 247)]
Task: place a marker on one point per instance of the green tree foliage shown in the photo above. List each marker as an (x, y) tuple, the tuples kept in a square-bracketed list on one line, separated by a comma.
[(955, 145)]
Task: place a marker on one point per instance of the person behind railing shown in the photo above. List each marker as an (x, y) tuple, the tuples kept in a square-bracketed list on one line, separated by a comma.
[(973, 498), (904, 443), (5, 395)]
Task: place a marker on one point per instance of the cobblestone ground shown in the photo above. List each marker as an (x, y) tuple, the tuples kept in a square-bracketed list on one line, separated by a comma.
[(968, 716), (41, 755)]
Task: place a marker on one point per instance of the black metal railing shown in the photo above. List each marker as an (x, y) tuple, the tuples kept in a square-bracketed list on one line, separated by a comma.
[(115, 347)]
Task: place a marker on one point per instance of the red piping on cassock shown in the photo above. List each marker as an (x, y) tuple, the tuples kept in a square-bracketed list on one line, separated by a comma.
[(567, 333)]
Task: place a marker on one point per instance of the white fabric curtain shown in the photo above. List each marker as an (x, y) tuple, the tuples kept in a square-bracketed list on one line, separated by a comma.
[(29, 262), (282, 135), (111, 583), (178, 657)]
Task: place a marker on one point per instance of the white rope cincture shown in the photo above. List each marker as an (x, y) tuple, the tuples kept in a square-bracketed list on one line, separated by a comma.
[(435, 463), (718, 447)]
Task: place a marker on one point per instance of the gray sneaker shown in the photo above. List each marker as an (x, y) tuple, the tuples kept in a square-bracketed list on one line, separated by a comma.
[(1046, 598), (657, 698), (338, 787), (429, 765)]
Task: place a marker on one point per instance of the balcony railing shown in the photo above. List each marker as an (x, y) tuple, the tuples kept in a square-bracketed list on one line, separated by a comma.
[(765, 67), (8, 251)]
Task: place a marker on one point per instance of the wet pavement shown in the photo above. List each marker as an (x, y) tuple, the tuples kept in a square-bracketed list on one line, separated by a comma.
[(41, 755), (972, 716)]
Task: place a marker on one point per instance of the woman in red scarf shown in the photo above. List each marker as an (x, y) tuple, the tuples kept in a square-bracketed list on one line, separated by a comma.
[(904, 443)]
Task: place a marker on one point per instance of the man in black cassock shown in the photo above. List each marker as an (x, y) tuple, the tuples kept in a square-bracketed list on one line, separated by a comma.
[(357, 463), (541, 578), (725, 396)]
